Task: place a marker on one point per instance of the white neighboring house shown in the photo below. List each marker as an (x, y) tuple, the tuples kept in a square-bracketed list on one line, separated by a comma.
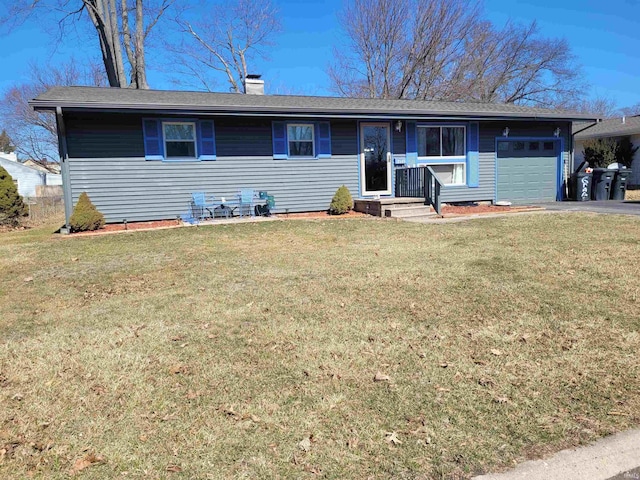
[(27, 178), (612, 128)]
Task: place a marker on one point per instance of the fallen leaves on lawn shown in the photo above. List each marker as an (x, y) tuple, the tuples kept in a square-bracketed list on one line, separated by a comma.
[(496, 352), (381, 377), (305, 444), (392, 437), (174, 468), (87, 461)]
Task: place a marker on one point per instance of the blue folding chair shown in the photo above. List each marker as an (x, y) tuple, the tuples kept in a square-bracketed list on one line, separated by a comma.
[(201, 205), (246, 201)]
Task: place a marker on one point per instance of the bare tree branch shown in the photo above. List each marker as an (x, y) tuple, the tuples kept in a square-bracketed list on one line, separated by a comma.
[(34, 133), (444, 50), (225, 41)]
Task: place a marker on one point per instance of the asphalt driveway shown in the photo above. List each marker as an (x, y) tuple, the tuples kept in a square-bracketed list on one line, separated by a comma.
[(601, 206)]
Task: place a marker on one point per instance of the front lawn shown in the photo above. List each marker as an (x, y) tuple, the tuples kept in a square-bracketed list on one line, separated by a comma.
[(331, 349)]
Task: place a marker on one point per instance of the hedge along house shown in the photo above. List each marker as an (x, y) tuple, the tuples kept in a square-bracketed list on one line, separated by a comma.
[(140, 154)]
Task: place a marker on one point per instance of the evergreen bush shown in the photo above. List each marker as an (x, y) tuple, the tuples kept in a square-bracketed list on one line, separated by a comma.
[(602, 152), (342, 201), (12, 207), (85, 216)]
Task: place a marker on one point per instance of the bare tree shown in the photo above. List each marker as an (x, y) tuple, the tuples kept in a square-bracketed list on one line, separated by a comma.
[(34, 133), (115, 29), (603, 107), (444, 50), (223, 41), (630, 111)]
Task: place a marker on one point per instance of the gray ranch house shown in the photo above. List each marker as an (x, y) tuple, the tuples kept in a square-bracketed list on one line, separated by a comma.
[(140, 154)]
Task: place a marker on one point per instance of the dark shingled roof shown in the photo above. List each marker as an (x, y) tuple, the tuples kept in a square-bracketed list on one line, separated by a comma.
[(97, 98), (612, 127)]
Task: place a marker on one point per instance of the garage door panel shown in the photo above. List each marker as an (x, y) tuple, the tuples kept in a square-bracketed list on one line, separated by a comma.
[(524, 175)]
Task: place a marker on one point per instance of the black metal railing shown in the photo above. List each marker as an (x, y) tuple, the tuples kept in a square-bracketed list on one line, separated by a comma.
[(433, 186), (409, 182), (419, 182)]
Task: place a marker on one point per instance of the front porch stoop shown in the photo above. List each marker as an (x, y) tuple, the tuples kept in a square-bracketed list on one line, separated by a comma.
[(400, 208)]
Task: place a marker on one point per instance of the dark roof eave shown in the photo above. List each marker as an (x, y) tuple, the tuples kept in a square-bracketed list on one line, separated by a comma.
[(49, 105)]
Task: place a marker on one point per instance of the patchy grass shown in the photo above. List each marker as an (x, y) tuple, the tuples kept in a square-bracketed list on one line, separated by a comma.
[(251, 350)]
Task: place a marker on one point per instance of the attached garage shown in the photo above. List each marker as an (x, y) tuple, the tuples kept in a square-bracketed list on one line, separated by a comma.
[(527, 170)]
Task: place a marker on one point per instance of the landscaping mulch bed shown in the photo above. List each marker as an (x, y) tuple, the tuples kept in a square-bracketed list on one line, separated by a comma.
[(321, 215), (121, 227)]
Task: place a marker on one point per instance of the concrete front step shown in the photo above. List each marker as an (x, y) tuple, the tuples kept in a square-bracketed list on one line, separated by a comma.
[(418, 218), (406, 210), (384, 207)]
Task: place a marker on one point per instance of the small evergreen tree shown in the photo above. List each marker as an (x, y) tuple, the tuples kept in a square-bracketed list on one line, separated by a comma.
[(342, 201), (85, 216), (11, 205), (5, 143), (601, 152)]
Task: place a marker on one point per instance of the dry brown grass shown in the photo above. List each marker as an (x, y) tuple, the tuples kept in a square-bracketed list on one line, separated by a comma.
[(249, 351), (633, 195)]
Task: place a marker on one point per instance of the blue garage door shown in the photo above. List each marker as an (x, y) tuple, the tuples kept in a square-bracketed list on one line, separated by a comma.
[(527, 171)]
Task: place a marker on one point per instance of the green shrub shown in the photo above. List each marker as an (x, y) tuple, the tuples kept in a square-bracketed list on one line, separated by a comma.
[(601, 152), (11, 205), (342, 201), (625, 152), (85, 216), (604, 151)]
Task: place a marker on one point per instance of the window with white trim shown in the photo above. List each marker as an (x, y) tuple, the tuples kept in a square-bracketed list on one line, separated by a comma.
[(450, 173), (179, 139), (435, 141), (300, 137)]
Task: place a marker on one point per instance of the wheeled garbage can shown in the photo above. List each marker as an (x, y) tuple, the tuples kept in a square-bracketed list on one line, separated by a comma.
[(602, 179), (581, 186), (619, 186)]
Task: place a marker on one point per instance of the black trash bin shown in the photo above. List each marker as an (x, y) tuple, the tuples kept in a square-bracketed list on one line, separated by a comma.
[(602, 179), (581, 186), (619, 186)]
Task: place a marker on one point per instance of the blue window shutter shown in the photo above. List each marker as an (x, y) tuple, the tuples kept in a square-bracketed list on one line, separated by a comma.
[(324, 139), (412, 145), (153, 148), (473, 157), (206, 140), (279, 140)]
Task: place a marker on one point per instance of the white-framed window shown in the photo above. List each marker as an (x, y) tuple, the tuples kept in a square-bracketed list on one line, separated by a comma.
[(300, 139), (442, 141), (450, 173), (179, 139)]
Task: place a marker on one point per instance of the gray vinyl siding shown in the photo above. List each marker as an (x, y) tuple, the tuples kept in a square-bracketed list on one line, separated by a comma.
[(137, 189), (487, 155), (107, 161)]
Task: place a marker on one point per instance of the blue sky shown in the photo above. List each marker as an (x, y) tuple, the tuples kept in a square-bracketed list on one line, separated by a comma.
[(604, 35)]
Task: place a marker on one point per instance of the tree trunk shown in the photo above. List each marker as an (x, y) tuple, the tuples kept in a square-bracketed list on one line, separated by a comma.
[(96, 12), (117, 50), (140, 67)]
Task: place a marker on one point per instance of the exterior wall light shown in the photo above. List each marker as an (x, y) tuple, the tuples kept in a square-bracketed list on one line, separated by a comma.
[(556, 132), (505, 132), (399, 126)]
